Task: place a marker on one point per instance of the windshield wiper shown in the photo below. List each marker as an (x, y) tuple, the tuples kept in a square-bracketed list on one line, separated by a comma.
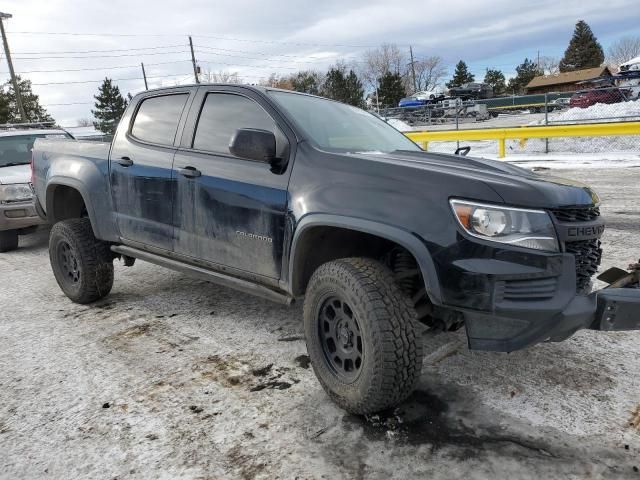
[(14, 164)]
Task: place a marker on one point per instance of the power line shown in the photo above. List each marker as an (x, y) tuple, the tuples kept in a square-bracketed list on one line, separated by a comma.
[(270, 59), (99, 68), (113, 79), (217, 37), (102, 56), (267, 67), (102, 51)]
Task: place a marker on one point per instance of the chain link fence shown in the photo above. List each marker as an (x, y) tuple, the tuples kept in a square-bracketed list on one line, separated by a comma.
[(597, 105)]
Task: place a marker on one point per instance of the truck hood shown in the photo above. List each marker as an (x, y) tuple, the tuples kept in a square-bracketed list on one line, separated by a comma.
[(516, 186), (15, 174)]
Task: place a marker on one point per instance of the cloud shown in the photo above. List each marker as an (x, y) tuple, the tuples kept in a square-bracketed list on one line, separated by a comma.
[(255, 38)]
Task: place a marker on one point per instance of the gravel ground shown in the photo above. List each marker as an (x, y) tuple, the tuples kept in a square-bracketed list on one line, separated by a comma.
[(171, 377)]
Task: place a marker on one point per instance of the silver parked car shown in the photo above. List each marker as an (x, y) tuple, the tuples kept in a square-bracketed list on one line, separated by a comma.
[(17, 208)]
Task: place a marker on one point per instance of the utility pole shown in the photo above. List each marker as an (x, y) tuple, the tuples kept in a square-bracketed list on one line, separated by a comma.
[(193, 61), (23, 117), (413, 70), (144, 75)]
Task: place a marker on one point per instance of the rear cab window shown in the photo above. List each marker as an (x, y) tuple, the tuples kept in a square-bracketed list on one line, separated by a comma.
[(156, 120)]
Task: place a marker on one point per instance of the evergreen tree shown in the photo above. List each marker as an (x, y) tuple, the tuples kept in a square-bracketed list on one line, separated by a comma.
[(391, 90), (525, 72), (335, 84), (461, 75), (354, 92), (343, 87), (110, 105), (307, 81), (9, 112), (496, 79), (584, 50)]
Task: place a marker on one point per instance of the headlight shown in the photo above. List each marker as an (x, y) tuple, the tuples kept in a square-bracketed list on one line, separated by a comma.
[(515, 226), (19, 192)]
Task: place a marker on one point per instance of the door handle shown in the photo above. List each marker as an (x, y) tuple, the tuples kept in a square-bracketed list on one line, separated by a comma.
[(189, 172), (124, 161)]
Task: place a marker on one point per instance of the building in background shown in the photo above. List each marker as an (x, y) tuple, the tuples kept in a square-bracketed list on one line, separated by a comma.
[(568, 81)]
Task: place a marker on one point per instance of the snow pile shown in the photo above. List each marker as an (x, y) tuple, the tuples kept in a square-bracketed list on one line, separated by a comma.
[(609, 112), (399, 125)]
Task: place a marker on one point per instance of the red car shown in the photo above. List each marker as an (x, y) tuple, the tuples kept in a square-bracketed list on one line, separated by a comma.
[(587, 98)]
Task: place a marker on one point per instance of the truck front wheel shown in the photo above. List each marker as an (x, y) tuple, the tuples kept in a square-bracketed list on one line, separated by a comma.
[(82, 265), (362, 335)]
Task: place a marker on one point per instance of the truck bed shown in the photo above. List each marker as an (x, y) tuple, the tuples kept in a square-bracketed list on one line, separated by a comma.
[(66, 154)]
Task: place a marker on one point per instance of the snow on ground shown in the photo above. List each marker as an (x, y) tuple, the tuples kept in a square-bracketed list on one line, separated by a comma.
[(174, 378), (608, 112)]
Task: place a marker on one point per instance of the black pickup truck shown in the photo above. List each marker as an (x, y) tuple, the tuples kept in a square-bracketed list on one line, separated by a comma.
[(286, 195)]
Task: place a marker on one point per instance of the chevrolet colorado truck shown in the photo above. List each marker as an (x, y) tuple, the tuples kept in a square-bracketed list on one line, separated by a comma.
[(287, 195), (17, 208)]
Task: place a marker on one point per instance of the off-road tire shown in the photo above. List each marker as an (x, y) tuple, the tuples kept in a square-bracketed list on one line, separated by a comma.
[(91, 257), (388, 327), (8, 240)]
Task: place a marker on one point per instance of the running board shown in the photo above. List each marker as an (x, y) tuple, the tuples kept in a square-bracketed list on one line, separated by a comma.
[(203, 274)]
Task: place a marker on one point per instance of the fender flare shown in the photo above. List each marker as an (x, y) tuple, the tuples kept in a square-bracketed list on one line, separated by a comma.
[(58, 181), (395, 234)]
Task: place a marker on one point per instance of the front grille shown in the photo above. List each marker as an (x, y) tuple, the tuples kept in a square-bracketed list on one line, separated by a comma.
[(588, 254), (526, 290), (576, 214)]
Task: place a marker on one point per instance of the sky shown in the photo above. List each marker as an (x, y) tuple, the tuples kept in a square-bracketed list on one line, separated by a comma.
[(67, 47)]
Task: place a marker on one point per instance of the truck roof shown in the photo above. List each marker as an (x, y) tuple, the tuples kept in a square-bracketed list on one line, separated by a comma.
[(31, 131), (258, 88)]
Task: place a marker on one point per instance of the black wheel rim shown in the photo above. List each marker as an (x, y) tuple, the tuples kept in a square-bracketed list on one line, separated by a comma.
[(341, 339), (68, 263)]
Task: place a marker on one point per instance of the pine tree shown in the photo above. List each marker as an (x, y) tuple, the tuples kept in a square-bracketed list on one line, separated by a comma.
[(525, 72), (334, 86), (495, 78), (9, 112), (110, 105), (461, 75), (391, 90), (343, 87), (307, 81), (584, 50), (354, 92)]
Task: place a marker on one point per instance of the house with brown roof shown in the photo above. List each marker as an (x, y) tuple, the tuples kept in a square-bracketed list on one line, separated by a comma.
[(567, 81)]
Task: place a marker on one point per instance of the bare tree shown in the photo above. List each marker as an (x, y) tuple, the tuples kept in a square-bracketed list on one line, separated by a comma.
[(387, 58), (277, 81), (623, 50), (220, 76), (85, 122), (430, 72), (549, 65)]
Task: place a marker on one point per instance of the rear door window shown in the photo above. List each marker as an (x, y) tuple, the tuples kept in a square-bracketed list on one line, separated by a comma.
[(157, 118)]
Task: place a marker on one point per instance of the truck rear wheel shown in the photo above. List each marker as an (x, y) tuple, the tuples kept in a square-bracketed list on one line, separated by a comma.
[(362, 335), (82, 265), (8, 240)]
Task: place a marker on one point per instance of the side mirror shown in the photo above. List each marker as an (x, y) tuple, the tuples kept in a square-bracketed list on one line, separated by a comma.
[(254, 144)]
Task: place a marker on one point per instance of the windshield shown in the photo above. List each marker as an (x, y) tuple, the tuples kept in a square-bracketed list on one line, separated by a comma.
[(16, 149), (337, 127)]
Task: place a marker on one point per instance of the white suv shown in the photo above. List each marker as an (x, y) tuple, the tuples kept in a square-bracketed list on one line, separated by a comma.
[(17, 209)]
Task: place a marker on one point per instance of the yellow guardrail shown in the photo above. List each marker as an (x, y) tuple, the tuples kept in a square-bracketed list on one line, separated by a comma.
[(523, 133)]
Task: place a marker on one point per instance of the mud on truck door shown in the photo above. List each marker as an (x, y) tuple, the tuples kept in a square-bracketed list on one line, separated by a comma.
[(141, 169), (229, 210)]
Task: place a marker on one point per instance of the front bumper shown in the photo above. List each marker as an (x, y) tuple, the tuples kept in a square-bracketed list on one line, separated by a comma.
[(19, 215), (514, 298), (609, 309)]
